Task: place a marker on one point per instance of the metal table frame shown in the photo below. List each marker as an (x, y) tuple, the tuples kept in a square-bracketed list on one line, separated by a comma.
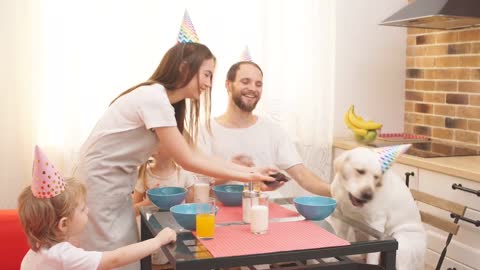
[(184, 254)]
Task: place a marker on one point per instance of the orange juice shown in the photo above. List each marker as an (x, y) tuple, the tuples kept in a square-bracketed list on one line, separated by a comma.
[(205, 225)]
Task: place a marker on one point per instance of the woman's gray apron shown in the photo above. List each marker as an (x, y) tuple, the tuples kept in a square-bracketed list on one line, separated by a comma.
[(109, 169)]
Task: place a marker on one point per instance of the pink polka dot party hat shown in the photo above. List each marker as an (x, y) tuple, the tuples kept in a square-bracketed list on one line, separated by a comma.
[(46, 180)]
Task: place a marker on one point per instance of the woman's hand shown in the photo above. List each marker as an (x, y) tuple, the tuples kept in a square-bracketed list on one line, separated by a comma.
[(262, 174)]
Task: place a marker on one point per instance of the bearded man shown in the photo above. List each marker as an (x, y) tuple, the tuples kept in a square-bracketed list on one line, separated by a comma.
[(243, 137)]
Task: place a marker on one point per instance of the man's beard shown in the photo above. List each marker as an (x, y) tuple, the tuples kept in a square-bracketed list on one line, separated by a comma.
[(237, 99)]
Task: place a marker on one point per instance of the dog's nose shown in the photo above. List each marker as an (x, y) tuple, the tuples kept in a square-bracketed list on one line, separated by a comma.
[(367, 194)]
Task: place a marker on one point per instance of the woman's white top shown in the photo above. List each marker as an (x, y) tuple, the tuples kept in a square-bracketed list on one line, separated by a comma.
[(122, 140)]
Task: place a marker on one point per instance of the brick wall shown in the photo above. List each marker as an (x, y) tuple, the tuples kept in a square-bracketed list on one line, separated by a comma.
[(442, 87)]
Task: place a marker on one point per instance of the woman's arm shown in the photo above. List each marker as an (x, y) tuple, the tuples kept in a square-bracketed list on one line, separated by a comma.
[(197, 162)]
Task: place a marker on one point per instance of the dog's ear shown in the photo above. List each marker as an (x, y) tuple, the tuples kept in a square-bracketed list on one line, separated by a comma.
[(338, 162)]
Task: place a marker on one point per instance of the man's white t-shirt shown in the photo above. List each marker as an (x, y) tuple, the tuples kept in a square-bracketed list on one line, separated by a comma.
[(61, 256), (265, 142)]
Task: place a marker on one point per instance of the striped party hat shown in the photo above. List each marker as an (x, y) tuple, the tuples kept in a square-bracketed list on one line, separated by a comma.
[(187, 32), (46, 180), (245, 56), (388, 155)]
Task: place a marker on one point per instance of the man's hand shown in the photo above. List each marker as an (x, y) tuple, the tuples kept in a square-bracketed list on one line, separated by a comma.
[(280, 180), (270, 187), (243, 160)]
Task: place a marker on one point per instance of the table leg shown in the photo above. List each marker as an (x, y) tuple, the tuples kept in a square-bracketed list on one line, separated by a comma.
[(145, 234), (388, 259)]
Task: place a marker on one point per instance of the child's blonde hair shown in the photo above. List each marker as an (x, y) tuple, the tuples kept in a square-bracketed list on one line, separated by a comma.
[(142, 172), (40, 217)]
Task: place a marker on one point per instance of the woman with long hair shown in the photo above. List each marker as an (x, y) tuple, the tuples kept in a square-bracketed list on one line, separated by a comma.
[(131, 129)]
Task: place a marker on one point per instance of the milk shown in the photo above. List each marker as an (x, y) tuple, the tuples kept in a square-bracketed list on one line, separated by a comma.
[(201, 192), (247, 204), (259, 219)]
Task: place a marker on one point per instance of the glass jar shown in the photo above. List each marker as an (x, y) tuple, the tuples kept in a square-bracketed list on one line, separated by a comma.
[(248, 196)]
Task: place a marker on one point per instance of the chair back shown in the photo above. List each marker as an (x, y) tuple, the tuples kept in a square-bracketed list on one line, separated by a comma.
[(446, 225), (14, 244), (450, 226)]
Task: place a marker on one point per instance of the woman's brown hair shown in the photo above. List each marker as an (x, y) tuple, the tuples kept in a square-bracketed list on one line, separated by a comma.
[(177, 68), (40, 217)]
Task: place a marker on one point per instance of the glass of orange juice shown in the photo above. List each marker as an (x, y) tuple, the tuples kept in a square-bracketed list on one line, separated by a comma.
[(205, 219)]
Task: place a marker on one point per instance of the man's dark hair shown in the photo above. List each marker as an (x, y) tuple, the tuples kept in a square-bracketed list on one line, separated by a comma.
[(232, 72)]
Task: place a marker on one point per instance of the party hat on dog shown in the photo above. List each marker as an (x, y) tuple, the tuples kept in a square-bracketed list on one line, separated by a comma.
[(388, 155), (246, 55), (187, 32), (46, 181)]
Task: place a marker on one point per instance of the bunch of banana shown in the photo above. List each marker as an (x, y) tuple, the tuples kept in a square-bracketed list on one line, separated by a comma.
[(365, 131)]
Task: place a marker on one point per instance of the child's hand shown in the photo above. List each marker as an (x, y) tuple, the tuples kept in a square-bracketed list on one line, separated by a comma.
[(166, 236)]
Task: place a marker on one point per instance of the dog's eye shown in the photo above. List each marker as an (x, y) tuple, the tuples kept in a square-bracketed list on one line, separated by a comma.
[(360, 171)]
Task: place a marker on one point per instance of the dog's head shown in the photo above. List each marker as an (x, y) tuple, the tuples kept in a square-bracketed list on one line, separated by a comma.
[(359, 173)]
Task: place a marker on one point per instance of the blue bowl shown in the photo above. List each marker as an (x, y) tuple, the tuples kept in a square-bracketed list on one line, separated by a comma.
[(185, 214), (166, 197), (229, 195), (315, 207)]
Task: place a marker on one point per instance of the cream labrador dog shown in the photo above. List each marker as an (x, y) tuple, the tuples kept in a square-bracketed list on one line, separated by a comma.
[(382, 201)]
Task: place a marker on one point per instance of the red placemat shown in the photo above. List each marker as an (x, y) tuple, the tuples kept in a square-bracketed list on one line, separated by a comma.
[(281, 236), (234, 213), (402, 137)]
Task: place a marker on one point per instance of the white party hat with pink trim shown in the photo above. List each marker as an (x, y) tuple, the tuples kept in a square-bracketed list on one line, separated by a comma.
[(387, 155), (245, 56), (46, 180), (187, 32)]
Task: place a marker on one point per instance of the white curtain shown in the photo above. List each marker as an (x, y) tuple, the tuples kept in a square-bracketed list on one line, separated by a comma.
[(71, 58), (298, 62)]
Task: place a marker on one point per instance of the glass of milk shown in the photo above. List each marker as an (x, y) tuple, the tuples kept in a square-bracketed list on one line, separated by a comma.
[(259, 214), (201, 188)]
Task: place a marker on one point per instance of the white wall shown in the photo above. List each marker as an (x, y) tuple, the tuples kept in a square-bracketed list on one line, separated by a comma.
[(367, 69), (14, 55), (369, 64)]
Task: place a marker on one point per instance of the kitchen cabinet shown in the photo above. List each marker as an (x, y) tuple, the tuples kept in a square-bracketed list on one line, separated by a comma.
[(403, 170), (464, 248)]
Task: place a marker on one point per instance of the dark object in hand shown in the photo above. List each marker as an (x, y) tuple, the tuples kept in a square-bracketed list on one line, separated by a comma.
[(279, 177)]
